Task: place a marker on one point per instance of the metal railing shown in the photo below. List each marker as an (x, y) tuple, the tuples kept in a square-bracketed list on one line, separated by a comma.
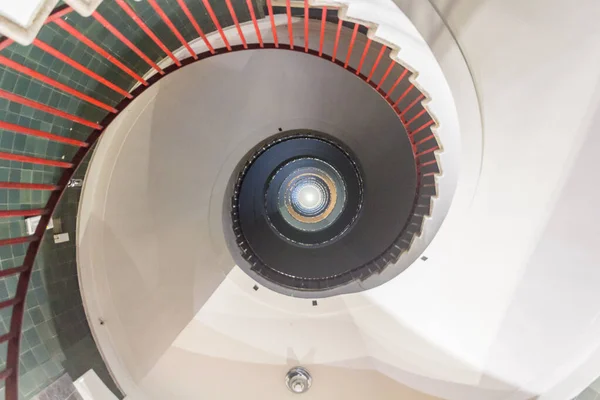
[(406, 103)]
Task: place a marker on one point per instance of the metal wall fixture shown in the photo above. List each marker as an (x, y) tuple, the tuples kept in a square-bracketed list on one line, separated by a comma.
[(407, 105), (298, 380)]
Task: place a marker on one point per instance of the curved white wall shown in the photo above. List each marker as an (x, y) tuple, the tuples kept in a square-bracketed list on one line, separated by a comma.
[(152, 242)]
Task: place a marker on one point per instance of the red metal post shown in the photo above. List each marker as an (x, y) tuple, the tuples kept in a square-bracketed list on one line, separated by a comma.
[(323, 22), (74, 32), (428, 163), (404, 94), (425, 140), (172, 27), (35, 160), (273, 27), (236, 23), (412, 104), (129, 11), (215, 21), (427, 151), (306, 26), (18, 240), (351, 46), (419, 129), (337, 39), (402, 75), (39, 106), (364, 56), (194, 23), (413, 119), (5, 43), (10, 302), (254, 22), (126, 41), (58, 15), (21, 213), (49, 81), (29, 186), (385, 75), (9, 272), (376, 62), (288, 9), (34, 132), (50, 50)]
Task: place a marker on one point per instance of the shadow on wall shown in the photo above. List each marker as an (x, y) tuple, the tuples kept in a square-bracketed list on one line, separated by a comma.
[(56, 338), (73, 346)]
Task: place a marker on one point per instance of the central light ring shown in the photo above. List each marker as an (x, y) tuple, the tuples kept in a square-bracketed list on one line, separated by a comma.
[(311, 194), (308, 195)]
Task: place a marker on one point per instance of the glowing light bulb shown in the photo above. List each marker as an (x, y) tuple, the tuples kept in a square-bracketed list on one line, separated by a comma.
[(309, 197)]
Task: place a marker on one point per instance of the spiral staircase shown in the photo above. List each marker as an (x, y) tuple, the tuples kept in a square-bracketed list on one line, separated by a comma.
[(165, 99)]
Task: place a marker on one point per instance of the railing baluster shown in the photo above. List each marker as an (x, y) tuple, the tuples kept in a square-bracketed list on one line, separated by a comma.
[(18, 240), (51, 82), (236, 23), (412, 104), (364, 56), (194, 23), (33, 132), (21, 213), (75, 33), (5, 374), (42, 107), (109, 27), (419, 129), (172, 27), (351, 46), (403, 95), (427, 151), (402, 75), (11, 271), (6, 337), (322, 35), (29, 186), (273, 27), (288, 10), (306, 26), (385, 75), (383, 47), (425, 140), (35, 160), (254, 22), (215, 21), (129, 11), (52, 51), (337, 39), (10, 302), (413, 119), (428, 163)]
